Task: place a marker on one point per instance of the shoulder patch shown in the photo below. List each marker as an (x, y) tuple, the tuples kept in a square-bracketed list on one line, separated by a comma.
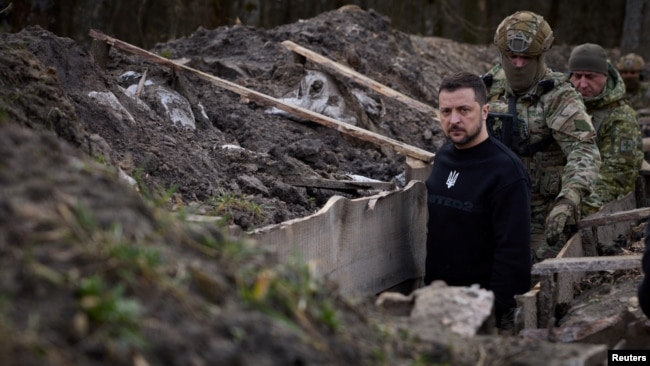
[(582, 125)]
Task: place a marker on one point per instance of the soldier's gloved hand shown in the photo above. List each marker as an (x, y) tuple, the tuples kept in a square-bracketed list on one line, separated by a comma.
[(563, 213)]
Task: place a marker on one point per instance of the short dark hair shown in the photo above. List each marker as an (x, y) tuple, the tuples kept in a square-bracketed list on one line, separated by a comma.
[(465, 80)]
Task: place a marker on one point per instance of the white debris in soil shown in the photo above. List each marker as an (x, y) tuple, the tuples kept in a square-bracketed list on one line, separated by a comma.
[(318, 93), (230, 146), (128, 179), (177, 108), (132, 89), (108, 99), (205, 115), (360, 178), (371, 106), (139, 102), (130, 77)]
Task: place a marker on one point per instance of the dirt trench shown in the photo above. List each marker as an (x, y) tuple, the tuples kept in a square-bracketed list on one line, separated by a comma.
[(73, 131)]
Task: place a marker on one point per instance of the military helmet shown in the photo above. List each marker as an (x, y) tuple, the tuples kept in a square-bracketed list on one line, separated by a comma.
[(524, 32), (630, 62)]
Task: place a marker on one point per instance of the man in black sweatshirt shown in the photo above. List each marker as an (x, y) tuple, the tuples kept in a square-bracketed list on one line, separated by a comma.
[(478, 201)]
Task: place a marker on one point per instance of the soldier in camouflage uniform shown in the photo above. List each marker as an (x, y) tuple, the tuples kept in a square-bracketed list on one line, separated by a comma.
[(617, 132), (549, 128), (637, 92)]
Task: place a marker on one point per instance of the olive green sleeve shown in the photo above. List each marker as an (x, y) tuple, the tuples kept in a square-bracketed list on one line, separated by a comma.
[(621, 151)]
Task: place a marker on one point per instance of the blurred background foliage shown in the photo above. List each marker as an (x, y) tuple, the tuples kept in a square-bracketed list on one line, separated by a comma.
[(611, 23)]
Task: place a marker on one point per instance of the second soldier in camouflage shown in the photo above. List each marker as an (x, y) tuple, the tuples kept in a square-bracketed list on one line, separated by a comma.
[(618, 135)]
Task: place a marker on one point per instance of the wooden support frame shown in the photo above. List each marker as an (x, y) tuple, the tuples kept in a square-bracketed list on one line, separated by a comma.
[(558, 276)]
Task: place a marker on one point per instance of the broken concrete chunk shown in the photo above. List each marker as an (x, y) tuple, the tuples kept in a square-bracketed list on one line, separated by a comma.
[(462, 309), (395, 303), (108, 100), (177, 109), (437, 309)]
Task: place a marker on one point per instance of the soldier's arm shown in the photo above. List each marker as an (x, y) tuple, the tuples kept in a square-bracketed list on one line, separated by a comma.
[(572, 129), (620, 146)]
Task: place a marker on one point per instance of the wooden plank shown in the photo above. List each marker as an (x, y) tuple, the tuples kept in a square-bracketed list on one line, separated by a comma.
[(527, 317), (587, 264), (645, 167), (611, 218), (566, 280), (546, 301), (608, 235), (266, 100), (588, 236), (339, 184), (334, 67), (558, 286), (417, 170), (366, 245)]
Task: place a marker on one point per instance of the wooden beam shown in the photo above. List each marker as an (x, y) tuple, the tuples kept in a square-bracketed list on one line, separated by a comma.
[(339, 184), (333, 66), (527, 317), (586, 264), (417, 169), (366, 245), (266, 100), (611, 218)]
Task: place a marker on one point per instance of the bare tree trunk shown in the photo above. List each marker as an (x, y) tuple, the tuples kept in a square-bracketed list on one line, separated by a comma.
[(632, 25), (553, 13)]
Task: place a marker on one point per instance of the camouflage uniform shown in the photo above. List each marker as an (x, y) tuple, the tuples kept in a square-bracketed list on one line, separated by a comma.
[(619, 140), (554, 122), (637, 92), (552, 133), (640, 98)]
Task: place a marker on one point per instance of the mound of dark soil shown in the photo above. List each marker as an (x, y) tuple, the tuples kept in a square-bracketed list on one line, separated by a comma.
[(200, 164)]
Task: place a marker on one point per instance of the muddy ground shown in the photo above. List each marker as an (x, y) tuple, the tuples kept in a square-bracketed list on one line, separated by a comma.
[(88, 166)]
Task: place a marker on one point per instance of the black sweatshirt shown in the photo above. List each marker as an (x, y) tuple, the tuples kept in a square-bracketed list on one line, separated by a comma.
[(479, 221)]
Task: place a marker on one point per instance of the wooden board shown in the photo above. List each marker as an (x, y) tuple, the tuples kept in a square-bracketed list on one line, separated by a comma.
[(339, 184), (587, 264), (367, 245), (557, 287), (417, 170)]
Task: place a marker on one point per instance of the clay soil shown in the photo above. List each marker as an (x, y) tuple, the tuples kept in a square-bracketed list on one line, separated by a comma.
[(96, 270)]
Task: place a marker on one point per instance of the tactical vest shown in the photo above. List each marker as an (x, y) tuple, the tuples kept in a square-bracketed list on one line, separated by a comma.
[(524, 119)]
